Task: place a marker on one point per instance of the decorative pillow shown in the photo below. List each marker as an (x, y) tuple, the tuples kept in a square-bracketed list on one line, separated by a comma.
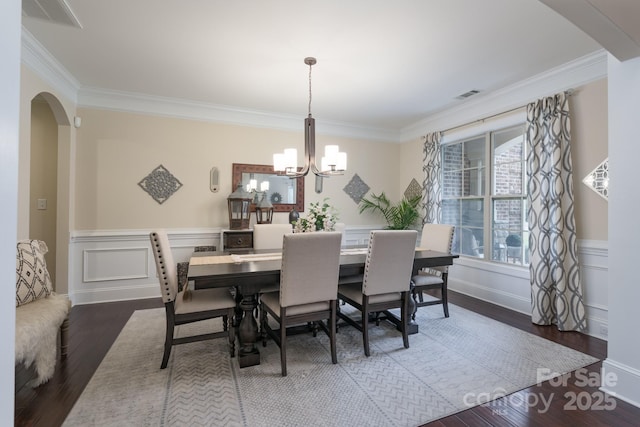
[(32, 277)]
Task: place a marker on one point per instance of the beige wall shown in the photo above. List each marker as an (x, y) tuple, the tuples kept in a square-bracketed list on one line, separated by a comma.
[(410, 166), (43, 185), (589, 147), (115, 150)]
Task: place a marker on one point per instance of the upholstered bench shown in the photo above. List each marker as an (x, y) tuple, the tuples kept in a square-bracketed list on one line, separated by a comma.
[(41, 315)]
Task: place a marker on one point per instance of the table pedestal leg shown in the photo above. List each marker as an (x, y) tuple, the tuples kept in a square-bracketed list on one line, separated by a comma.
[(412, 326), (248, 355)]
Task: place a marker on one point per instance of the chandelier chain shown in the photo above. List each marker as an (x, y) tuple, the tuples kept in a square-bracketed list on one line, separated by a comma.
[(310, 65)]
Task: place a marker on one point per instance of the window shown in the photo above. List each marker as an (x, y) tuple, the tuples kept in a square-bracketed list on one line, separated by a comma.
[(484, 195)]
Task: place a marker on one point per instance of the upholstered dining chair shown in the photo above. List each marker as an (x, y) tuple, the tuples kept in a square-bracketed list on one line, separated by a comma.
[(183, 267), (386, 280), (269, 236), (437, 237), (187, 306), (308, 289)]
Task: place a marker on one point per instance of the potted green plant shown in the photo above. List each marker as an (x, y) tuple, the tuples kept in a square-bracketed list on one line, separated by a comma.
[(400, 216)]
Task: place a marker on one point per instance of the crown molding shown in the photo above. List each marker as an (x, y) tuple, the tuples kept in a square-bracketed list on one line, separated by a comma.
[(41, 62), (575, 73), (193, 110)]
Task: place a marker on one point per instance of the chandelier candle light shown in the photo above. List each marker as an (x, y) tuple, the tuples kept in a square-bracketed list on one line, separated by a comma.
[(334, 161)]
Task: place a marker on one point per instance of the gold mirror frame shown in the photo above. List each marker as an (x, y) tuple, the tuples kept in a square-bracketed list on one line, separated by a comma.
[(239, 168)]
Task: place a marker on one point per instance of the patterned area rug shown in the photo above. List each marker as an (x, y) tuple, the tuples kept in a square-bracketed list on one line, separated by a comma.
[(453, 364)]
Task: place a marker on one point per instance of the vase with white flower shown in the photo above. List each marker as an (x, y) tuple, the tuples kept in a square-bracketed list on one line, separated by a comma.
[(321, 217)]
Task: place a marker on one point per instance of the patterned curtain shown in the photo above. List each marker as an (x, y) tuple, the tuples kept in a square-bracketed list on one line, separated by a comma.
[(432, 184), (556, 291)]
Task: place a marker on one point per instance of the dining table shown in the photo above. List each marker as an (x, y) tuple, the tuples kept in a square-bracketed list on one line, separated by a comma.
[(248, 271)]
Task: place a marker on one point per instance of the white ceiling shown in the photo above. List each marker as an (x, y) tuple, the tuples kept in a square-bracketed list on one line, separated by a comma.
[(381, 63)]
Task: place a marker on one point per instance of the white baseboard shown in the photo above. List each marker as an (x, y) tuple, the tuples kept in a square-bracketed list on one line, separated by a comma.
[(484, 293), (621, 381), (508, 286), (120, 293)]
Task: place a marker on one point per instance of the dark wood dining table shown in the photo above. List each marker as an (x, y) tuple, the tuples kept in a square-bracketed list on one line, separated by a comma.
[(252, 270)]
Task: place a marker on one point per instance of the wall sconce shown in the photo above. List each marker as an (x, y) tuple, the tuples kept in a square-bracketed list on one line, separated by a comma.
[(239, 204)]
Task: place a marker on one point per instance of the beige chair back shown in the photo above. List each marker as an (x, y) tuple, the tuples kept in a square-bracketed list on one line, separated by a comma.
[(310, 268), (389, 261), (437, 237), (269, 236), (166, 268)]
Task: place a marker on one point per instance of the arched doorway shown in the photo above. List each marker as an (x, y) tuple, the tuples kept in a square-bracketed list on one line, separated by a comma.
[(43, 179), (49, 183)]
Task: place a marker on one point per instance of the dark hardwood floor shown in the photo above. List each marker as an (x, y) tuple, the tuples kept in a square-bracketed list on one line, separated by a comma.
[(94, 328)]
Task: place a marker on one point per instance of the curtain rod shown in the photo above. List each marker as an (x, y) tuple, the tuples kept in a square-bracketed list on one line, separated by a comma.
[(568, 92), (484, 119)]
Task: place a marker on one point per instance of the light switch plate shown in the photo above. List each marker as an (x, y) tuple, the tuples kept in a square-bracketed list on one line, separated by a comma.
[(42, 204)]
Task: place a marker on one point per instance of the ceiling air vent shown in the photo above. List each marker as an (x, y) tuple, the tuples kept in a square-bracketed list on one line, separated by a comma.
[(56, 11), (468, 94)]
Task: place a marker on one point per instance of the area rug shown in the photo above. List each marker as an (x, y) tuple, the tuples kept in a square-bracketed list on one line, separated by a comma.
[(454, 363)]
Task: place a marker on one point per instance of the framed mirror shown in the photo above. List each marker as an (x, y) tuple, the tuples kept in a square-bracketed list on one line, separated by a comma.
[(283, 192)]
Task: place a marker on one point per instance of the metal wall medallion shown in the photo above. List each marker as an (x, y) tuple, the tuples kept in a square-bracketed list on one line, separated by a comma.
[(413, 190), (160, 184), (356, 188), (598, 179)]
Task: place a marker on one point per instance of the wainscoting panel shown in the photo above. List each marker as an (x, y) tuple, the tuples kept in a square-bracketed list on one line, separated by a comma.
[(116, 265), (358, 236), (101, 265)]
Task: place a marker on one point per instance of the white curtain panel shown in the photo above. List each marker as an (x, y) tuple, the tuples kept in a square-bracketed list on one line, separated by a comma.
[(432, 184), (556, 291)]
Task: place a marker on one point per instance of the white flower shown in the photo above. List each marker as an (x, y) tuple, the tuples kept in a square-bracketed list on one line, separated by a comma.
[(320, 218)]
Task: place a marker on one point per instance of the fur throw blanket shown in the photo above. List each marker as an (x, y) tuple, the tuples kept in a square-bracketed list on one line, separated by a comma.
[(37, 325)]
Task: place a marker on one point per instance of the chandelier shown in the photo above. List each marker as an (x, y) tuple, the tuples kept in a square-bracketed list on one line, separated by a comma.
[(334, 162)]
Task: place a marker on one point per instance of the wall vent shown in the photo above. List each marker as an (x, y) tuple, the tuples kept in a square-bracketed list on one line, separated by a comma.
[(468, 94), (56, 11)]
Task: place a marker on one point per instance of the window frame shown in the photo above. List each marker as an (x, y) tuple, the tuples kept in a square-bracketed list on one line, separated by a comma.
[(488, 195)]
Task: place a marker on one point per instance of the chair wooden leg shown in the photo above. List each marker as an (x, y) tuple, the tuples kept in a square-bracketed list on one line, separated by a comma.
[(168, 341), (224, 323), (332, 332), (404, 319), (445, 299), (365, 324), (283, 341), (414, 295)]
